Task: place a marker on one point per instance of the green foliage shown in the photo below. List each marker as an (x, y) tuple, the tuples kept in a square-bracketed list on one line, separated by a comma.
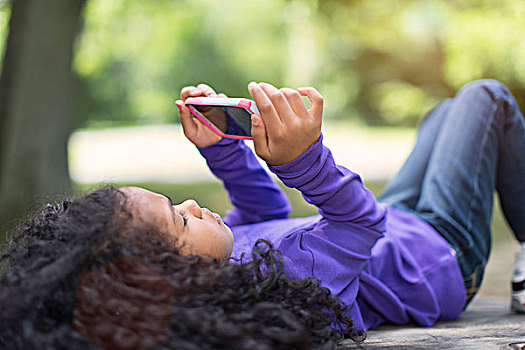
[(136, 56), (484, 42), (385, 62), (398, 101), (5, 14), (406, 55)]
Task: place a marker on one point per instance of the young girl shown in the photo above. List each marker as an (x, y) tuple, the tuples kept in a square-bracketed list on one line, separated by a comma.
[(416, 256), (419, 255)]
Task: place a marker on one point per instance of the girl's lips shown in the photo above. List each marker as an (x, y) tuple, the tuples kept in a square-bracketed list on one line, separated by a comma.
[(218, 218)]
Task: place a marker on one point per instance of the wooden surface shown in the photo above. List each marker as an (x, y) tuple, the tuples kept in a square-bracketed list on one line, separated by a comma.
[(486, 324)]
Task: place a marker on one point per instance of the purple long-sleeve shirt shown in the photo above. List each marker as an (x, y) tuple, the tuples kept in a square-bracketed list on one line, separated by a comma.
[(387, 265)]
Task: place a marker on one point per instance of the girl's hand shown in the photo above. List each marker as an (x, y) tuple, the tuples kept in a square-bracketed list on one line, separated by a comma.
[(285, 129), (195, 131)]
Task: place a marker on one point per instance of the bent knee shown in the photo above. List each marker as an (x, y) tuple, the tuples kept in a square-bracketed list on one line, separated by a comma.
[(484, 88)]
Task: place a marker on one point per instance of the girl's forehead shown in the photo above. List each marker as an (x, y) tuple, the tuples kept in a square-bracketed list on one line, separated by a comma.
[(137, 191), (148, 207)]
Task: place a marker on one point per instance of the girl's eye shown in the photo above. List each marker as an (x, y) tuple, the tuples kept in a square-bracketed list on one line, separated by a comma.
[(184, 217)]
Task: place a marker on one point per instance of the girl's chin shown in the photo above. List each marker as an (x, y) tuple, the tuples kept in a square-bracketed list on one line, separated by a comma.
[(230, 234)]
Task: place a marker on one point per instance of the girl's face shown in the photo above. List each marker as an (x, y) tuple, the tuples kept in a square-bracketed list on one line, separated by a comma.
[(197, 230)]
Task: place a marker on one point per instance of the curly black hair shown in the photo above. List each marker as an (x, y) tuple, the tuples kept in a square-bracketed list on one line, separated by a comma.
[(79, 276)]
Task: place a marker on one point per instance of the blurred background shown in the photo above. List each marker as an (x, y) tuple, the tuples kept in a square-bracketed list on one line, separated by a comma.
[(88, 86)]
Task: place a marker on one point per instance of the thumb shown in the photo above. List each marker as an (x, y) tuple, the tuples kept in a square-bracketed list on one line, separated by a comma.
[(188, 124), (260, 141)]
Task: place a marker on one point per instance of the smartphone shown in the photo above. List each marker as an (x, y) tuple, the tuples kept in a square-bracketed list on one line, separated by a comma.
[(227, 117)]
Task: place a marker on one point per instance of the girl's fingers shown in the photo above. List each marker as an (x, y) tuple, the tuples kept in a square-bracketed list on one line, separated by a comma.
[(295, 101), (264, 104), (316, 107), (187, 121), (260, 141), (189, 91), (280, 104), (206, 90)]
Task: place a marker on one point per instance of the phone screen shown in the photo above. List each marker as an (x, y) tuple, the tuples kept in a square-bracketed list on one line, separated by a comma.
[(230, 120)]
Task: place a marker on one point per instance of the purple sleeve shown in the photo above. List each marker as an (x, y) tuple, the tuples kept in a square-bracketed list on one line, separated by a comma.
[(253, 193), (338, 247), (338, 193)]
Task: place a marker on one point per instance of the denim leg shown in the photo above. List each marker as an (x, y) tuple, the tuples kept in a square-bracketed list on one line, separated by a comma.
[(403, 190), (510, 176), (481, 143)]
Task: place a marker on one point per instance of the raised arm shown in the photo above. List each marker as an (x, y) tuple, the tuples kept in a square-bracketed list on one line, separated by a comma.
[(288, 137), (337, 248), (337, 192), (253, 193)]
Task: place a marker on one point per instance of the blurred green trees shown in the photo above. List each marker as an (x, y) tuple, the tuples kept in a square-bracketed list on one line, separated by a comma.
[(406, 55), (383, 62), (5, 13), (135, 56)]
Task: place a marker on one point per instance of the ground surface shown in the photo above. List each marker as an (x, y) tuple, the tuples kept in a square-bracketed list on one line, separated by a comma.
[(486, 324), (162, 153)]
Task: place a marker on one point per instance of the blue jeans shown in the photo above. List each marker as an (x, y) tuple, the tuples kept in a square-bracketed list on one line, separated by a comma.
[(466, 147)]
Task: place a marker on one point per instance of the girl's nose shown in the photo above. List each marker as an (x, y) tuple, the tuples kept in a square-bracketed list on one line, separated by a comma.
[(191, 207)]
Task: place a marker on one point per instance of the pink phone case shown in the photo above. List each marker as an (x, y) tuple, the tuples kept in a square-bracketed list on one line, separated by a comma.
[(243, 103)]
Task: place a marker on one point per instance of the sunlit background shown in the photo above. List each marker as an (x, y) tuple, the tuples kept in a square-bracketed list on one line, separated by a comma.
[(380, 65), (380, 62), (377, 62)]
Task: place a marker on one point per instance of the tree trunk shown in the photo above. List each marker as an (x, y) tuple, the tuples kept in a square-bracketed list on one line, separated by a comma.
[(36, 105)]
